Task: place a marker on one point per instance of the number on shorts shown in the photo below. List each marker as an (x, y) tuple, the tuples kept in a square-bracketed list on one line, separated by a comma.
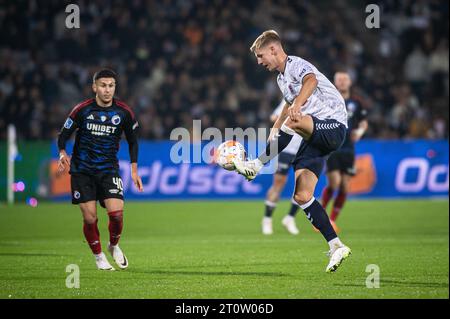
[(118, 182)]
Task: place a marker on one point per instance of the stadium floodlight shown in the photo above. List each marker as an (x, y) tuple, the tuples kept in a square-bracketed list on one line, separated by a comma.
[(12, 153)]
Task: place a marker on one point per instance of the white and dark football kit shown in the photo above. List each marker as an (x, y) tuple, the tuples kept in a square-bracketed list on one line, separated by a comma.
[(326, 107)]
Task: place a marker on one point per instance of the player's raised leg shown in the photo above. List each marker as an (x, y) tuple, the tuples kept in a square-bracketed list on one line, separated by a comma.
[(278, 140), (114, 207), (305, 184), (92, 234)]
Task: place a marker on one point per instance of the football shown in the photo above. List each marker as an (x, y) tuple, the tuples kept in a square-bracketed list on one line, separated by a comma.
[(227, 152)]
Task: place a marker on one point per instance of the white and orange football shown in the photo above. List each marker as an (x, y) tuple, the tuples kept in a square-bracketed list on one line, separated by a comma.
[(227, 152)]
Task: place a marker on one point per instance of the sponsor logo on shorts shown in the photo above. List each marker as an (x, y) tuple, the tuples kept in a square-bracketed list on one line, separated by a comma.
[(76, 195), (113, 191), (115, 120), (68, 123)]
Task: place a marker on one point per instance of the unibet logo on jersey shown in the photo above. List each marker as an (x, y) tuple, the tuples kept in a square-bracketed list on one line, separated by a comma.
[(100, 129)]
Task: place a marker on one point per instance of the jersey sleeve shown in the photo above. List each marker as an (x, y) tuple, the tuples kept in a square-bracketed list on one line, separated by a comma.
[(130, 128), (72, 122), (301, 69)]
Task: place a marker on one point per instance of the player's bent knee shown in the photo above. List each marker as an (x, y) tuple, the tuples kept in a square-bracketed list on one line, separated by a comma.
[(289, 124), (113, 204), (302, 197), (116, 215), (292, 126)]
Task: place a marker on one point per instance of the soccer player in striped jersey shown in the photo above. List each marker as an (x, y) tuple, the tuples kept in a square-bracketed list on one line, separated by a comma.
[(316, 111), (99, 123)]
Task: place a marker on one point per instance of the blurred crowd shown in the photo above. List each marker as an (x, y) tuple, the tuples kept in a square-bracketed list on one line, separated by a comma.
[(410, 74), (183, 60)]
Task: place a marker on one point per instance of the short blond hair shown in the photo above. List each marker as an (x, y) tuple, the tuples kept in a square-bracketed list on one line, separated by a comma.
[(264, 39)]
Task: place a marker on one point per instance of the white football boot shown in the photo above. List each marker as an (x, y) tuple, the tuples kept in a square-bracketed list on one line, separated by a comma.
[(267, 226), (118, 256), (248, 168), (337, 255), (102, 262), (289, 223)]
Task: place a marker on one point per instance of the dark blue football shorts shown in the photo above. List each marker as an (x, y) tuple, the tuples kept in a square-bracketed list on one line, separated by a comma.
[(327, 136), (285, 161)]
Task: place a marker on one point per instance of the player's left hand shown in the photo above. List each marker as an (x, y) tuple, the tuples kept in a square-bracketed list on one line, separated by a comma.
[(137, 181), (64, 162)]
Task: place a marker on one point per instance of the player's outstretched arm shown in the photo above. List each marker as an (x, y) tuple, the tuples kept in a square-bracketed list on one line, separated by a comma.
[(309, 84)]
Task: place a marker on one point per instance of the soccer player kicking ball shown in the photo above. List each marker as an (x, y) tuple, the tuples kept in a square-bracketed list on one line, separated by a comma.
[(285, 160), (340, 164), (315, 110), (94, 167)]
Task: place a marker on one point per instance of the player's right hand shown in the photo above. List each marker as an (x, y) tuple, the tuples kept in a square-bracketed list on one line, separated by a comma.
[(294, 113), (64, 161)]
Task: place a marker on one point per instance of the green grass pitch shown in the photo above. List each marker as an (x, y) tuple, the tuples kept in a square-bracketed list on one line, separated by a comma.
[(215, 250)]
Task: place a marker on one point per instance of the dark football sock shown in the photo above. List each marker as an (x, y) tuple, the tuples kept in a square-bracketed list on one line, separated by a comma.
[(270, 207), (275, 146), (319, 218), (294, 209)]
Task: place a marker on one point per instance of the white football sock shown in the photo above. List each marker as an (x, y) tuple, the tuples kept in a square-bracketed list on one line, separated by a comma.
[(336, 242)]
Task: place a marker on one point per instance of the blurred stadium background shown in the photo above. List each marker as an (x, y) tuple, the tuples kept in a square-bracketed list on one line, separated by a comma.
[(184, 60), (180, 61)]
